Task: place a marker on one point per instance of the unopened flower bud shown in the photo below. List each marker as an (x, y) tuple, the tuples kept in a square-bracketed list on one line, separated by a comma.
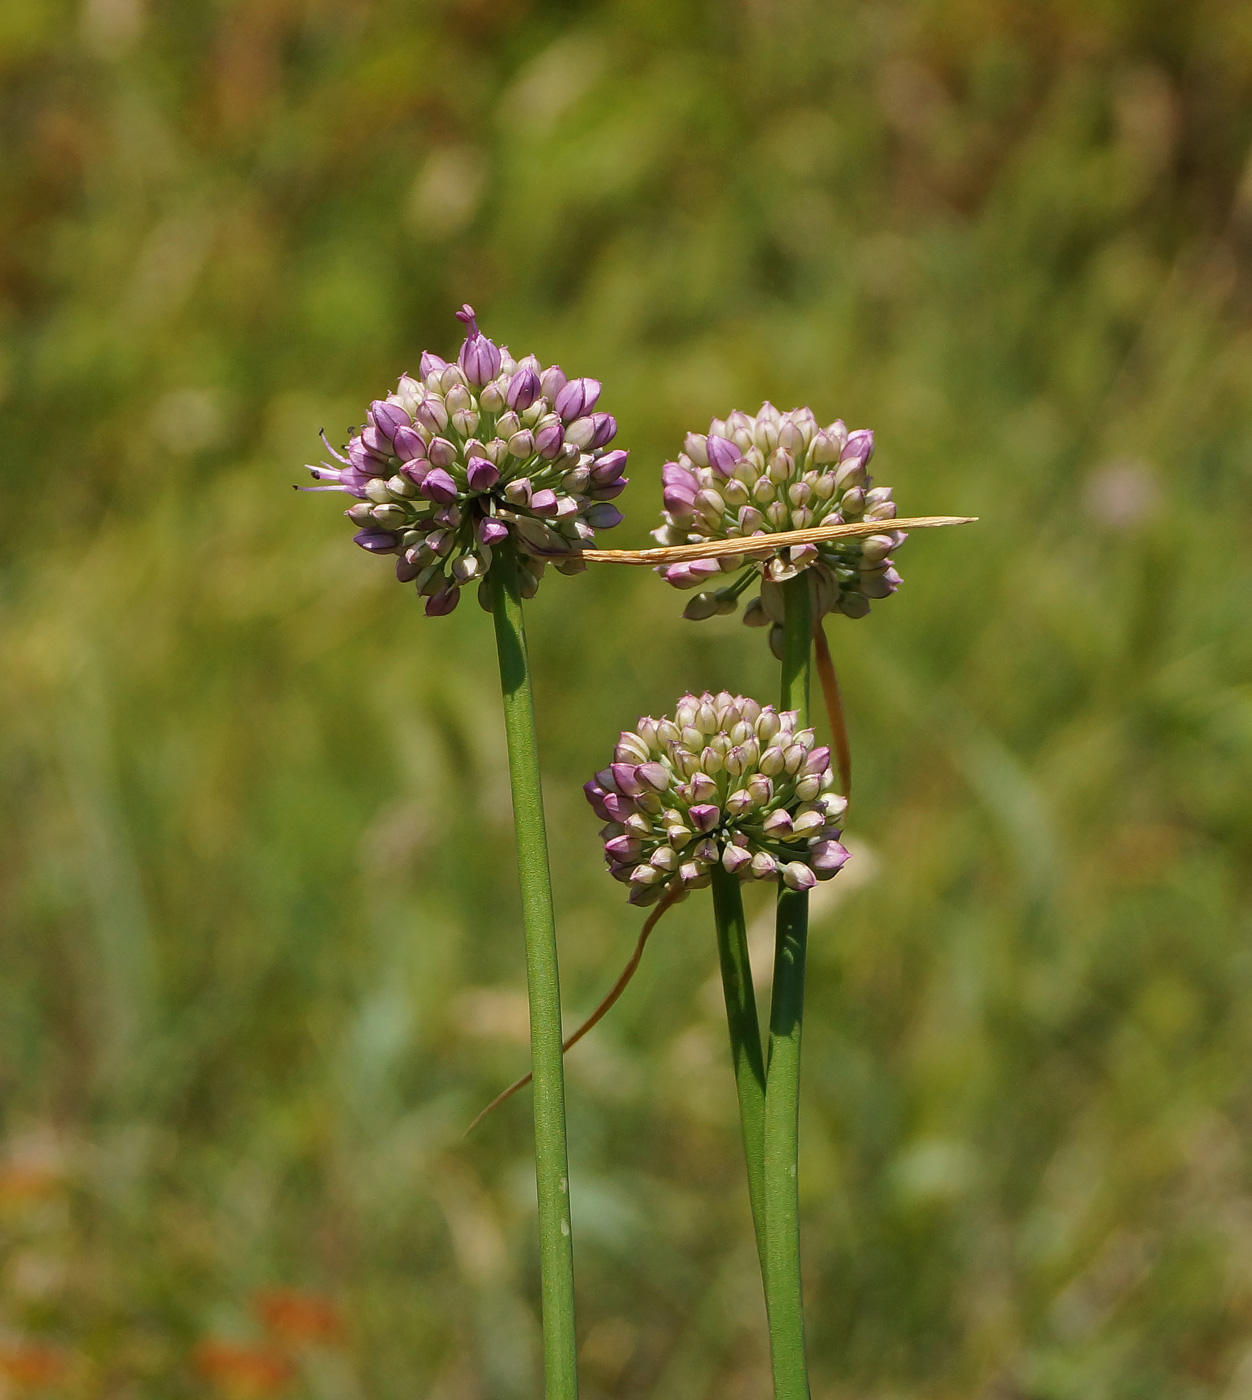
[(523, 389), (377, 541), (828, 857), (438, 486), (580, 432), (797, 876), (549, 440), (576, 398), (722, 454), (481, 474), (440, 604)]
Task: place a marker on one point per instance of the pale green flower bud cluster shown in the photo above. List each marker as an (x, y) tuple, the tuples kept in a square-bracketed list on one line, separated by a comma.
[(768, 474), (726, 780)]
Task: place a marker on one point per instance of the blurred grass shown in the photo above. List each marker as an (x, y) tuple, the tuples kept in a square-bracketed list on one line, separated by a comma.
[(260, 960)]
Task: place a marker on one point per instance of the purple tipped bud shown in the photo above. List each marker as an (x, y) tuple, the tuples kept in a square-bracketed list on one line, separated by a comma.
[(695, 445), (580, 432), (377, 541), (481, 474), (577, 398), (605, 430), (523, 389), (617, 807), (438, 486), (388, 418), (609, 468), (491, 531), (479, 359), (519, 491), (674, 475), (376, 441), (432, 414), (408, 444), (432, 363), (797, 876), (734, 858), (595, 794), (441, 452), (860, 445), (653, 775), (880, 585), (704, 816), (624, 779), (692, 574), (552, 381), (367, 462), (623, 847), (818, 760), (609, 492), (549, 440), (778, 823), (544, 503), (828, 858), (441, 604), (723, 454)]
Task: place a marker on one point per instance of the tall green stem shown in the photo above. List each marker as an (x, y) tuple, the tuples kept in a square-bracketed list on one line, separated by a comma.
[(556, 1259), (782, 1084), (745, 1038)]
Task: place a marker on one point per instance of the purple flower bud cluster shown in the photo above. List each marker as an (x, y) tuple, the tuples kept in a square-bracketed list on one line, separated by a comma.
[(475, 452), (770, 473), (728, 780)]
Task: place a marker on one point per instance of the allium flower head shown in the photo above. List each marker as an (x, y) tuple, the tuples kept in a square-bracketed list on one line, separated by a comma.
[(475, 452), (725, 780), (767, 474)]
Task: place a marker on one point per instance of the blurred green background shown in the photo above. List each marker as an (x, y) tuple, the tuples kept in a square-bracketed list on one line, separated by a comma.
[(260, 958)]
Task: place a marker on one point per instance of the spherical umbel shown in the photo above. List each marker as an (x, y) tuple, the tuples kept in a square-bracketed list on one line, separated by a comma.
[(472, 453), (768, 474), (728, 780)]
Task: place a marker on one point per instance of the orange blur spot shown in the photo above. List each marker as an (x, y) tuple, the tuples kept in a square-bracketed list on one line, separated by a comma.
[(28, 1181), (243, 1371), (31, 1365), (295, 1317)]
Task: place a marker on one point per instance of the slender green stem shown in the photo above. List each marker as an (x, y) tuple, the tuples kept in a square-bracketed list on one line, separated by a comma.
[(556, 1260), (745, 1038), (782, 1083)]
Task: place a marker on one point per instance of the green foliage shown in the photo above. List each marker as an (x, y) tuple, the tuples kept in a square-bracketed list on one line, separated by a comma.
[(261, 957)]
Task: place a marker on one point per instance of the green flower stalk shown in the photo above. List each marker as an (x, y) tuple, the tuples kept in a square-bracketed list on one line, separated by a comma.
[(485, 470), (542, 983), (727, 791), (782, 1082)]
